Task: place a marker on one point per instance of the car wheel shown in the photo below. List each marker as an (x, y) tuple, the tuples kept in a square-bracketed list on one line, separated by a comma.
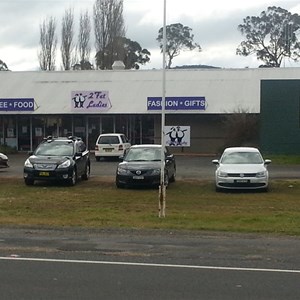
[(29, 181), (73, 179), (120, 185), (218, 189), (87, 172), (97, 158)]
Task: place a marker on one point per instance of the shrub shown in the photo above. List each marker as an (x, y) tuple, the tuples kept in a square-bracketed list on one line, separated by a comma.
[(7, 149), (241, 129)]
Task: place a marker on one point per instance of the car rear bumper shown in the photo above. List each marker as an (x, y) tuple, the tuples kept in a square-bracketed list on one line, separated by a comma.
[(108, 154)]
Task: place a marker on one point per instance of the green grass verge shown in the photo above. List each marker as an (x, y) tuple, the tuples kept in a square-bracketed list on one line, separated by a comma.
[(284, 159), (191, 205)]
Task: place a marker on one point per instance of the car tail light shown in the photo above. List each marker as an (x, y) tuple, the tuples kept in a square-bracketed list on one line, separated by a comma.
[(120, 147), (96, 148)]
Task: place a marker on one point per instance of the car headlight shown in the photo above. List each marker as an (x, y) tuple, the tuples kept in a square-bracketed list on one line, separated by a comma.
[(65, 164), (28, 164), (3, 156), (261, 174), (222, 174), (122, 171), (156, 172)]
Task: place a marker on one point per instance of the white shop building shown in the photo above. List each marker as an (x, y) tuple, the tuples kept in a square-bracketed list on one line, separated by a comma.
[(86, 103)]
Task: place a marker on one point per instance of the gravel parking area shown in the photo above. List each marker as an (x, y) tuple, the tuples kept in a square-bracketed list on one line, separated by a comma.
[(192, 167)]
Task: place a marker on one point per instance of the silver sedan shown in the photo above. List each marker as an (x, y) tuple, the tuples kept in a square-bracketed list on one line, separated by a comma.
[(3, 161), (241, 168)]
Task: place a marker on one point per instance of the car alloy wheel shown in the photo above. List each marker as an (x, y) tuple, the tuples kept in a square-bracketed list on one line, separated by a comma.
[(73, 179), (29, 181), (87, 172)]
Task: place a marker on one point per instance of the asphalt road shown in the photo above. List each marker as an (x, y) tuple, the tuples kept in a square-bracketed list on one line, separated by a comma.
[(188, 167), (134, 264)]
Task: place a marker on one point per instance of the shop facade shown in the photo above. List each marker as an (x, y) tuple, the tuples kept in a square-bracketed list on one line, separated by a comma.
[(86, 103), (24, 133)]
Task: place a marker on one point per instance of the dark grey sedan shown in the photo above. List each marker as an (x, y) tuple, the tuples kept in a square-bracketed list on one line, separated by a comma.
[(141, 166)]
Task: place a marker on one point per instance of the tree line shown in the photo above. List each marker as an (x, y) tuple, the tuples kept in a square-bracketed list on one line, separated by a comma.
[(271, 36)]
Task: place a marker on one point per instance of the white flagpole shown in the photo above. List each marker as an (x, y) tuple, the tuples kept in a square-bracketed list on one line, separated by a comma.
[(162, 188)]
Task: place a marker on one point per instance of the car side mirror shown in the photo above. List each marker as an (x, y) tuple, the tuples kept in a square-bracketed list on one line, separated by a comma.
[(267, 161), (215, 161)]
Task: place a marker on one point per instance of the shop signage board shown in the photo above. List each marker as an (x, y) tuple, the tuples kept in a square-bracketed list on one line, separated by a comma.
[(177, 136), (90, 101), (16, 104), (177, 103)]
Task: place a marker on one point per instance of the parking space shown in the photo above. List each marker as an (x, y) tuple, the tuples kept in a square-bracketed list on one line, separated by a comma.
[(188, 167)]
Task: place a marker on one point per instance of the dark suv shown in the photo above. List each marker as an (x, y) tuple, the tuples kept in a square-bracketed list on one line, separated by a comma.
[(59, 158)]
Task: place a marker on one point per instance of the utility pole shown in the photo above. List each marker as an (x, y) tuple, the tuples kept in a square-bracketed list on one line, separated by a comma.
[(162, 187)]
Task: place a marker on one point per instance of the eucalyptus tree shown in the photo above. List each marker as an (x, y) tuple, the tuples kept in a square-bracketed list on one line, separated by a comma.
[(272, 36), (178, 38), (129, 52)]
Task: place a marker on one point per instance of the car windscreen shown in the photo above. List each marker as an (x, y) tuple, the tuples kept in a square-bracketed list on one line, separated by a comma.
[(242, 158), (108, 140), (55, 149), (143, 154)]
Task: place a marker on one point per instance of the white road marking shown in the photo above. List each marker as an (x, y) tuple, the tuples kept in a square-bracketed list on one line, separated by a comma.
[(148, 264)]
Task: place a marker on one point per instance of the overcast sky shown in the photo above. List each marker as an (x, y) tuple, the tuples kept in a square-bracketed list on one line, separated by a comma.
[(214, 25)]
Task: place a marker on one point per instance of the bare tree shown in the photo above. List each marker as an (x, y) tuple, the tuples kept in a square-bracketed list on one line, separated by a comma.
[(67, 35), (84, 36), (48, 43), (108, 24)]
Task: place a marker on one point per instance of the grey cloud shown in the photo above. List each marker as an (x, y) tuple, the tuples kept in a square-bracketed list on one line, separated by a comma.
[(20, 20)]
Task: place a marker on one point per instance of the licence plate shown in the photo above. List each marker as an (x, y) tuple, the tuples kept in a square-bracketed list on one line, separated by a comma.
[(242, 181), (138, 177), (108, 150), (44, 174)]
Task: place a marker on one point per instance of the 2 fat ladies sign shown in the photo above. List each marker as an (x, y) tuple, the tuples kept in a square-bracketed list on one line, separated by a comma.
[(90, 101), (177, 103), (16, 104)]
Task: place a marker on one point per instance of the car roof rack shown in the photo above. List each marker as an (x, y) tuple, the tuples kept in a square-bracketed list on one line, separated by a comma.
[(50, 138), (74, 138)]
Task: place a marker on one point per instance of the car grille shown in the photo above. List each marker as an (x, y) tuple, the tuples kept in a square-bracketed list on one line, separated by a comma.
[(48, 167), (241, 175), (139, 172)]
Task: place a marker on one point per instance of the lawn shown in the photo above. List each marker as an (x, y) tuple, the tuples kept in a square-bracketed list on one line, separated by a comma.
[(192, 205), (284, 159)]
